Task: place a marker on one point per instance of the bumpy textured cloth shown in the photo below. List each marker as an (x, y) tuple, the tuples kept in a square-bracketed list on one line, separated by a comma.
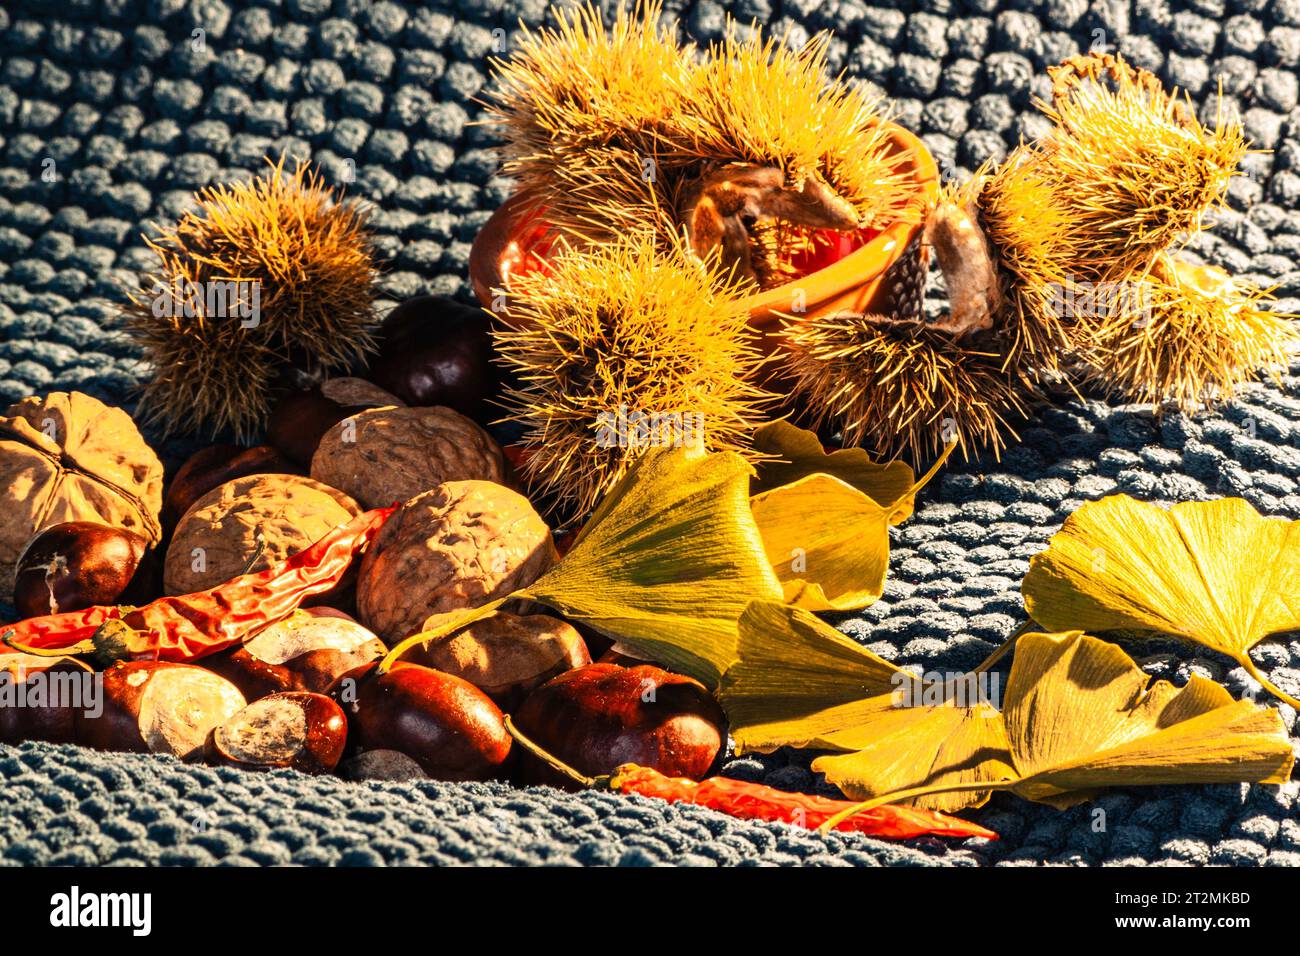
[(111, 113)]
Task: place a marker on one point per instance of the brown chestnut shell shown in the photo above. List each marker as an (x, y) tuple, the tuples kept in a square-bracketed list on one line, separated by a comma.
[(446, 725), (601, 716)]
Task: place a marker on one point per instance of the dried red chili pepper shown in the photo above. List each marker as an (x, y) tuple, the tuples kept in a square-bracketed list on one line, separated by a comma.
[(753, 801), (195, 625)]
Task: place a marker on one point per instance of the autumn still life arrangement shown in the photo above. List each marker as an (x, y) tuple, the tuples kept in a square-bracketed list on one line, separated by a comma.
[(703, 315)]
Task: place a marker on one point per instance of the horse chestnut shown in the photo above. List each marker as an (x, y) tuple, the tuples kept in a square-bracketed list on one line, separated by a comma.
[(506, 655), (79, 564), (47, 712), (159, 707), (600, 716), (299, 420), (446, 725), (434, 351), (302, 731), (306, 652)]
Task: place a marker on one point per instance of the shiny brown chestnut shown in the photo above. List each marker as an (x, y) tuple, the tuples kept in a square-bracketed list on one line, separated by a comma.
[(300, 731), (446, 725), (159, 707), (40, 697), (435, 351), (216, 465), (306, 652), (79, 564), (600, 716)]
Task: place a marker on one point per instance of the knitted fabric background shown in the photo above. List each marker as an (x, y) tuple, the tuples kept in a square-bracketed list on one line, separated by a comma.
[(112, 113)]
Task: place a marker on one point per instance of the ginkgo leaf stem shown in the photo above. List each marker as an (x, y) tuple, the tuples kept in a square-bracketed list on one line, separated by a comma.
[(450, 622), (1253, 670), (548, 758), (900, 795)]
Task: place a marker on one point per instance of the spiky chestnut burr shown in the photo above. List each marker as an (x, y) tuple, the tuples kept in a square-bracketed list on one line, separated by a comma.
[(582, 109), (901, 388), (1131, 164), (300, 262), (1187, 334), (613, 131), (618, 347)]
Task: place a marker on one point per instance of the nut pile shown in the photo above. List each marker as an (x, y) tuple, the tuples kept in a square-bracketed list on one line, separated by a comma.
[(89, 524)]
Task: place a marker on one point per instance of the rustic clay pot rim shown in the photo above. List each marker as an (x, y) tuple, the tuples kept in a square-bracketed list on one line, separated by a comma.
[(861, 267)]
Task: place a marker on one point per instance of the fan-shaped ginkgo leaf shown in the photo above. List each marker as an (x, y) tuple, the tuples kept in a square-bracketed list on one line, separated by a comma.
[(796, 453), (826, 529), (1214, 572), (800, 683), (1079, 717)]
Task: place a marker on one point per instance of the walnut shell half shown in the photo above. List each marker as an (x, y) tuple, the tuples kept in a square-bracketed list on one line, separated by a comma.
[(217, 537), (459, 545), (385, 455)]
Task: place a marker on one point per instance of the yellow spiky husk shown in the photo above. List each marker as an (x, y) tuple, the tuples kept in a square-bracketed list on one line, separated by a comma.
[(901, 389), (628, 325), (1188, 335), (1131, 164), (582, 110), (761, 101), (310, 255)]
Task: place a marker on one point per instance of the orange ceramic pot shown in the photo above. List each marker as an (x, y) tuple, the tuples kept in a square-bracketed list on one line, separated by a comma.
[(881, 272)]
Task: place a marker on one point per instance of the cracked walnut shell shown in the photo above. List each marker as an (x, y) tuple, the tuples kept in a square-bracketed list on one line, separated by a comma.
[(459, 545), (385, 455), (217, 537)]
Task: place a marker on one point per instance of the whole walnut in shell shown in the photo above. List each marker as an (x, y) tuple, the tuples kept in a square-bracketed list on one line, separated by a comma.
[(385, 455), (218, 537), (459, 545), (69, 457)]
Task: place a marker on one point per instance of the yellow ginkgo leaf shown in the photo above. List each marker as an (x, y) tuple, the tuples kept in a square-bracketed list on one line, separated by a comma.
[(800, 683), (1215, 572), (827, 542), (666, 564), (797, 453), (825, 532), (1079, 718), (941, 745)]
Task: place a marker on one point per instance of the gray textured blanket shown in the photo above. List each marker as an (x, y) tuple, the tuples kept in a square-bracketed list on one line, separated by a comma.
[(116, 98)]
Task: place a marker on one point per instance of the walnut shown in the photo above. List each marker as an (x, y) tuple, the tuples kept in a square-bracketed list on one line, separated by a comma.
[(218, 537), (386, 455), (456, 546), (70, 457), (506, 655)]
